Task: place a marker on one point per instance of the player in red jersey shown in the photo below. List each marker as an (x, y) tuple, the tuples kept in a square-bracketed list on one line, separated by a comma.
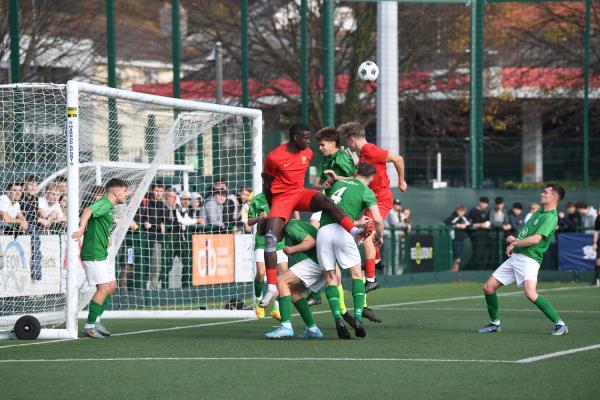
[(283, 186), (354, 133)]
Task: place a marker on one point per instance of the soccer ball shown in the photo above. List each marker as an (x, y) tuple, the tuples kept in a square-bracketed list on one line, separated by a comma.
[(368, 71)]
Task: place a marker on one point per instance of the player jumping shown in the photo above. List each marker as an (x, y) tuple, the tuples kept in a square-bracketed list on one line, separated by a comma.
[(355, 137), (526, 252), (283, 186), (257, 214), (96, 222)]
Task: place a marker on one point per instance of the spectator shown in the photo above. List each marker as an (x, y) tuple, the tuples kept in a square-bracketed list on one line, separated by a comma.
[(153, 221), (588, 215), (10, 209), (533, 208), (185, 213), (396, 218), (406, 215), (515, 218), (94, 195), (61, 185), (50, 209), (570, 222), (244, 195), (480, 224), (127, 257), (176, 241), (196, 206), (31, 210), (213, 210), (499, 216), (595, 242), (459, 224)]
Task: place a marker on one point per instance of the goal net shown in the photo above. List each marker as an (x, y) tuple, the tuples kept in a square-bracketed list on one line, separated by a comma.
[(179, 245)]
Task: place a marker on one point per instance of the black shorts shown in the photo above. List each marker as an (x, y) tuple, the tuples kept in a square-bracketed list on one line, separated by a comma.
[(458, 248)]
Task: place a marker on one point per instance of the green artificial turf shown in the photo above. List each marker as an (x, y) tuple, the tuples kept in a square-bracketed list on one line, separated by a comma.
[(426, 349)]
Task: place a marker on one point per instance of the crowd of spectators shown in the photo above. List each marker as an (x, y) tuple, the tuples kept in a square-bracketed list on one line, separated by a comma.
[(487, 228)]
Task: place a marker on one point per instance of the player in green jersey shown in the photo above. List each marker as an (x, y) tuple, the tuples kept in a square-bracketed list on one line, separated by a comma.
[(525, 255), (304, 272), (95, 226), (336, 247), (257, 214)]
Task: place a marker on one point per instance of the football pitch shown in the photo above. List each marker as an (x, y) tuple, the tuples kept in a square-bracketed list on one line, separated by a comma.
[(427, 347)]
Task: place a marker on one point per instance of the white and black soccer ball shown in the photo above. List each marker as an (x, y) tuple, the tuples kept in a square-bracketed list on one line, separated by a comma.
[(368, 71)]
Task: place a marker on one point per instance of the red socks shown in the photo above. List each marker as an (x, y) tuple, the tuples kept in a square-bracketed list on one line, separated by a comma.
[(272, 275), (370, 268), (347, 223)]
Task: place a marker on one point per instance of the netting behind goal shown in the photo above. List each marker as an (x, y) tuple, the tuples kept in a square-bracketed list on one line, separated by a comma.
[(179, 244)]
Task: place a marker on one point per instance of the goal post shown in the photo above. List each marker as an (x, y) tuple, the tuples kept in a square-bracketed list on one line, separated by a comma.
[(165, 268)]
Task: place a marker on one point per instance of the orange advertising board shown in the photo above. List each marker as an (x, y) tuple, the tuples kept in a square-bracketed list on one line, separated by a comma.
[(213, 262)]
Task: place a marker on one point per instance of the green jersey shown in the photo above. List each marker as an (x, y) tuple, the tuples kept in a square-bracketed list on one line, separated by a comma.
[(257, 206), (97, 233), (340, 162), (541, 223), (352, 196), (295, 232)]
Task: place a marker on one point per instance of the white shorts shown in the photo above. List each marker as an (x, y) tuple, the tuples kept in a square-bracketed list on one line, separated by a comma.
[(519, 268), (316, 216), (335, 243), (98, 272), (259, 256), (311, 275)]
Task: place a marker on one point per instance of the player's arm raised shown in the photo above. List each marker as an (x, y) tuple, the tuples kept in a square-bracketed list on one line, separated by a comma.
[(398, 162)]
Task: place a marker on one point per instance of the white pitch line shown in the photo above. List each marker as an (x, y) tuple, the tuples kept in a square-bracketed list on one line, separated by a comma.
[(482, 309), (557, 354), (303, 359), (515, 293), (317, 312)]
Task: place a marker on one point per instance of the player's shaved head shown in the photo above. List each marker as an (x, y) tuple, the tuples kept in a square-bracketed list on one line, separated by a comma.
[(351, 129), (365, 169), (298, 129)]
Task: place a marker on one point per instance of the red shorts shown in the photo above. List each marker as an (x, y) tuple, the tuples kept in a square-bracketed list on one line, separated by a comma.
[(385, 206), (283, 204)]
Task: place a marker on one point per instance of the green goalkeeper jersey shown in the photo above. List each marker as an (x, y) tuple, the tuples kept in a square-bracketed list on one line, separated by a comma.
[(352, 196), (97, 232), (340, 162), (541, 223), (295, 232), (257, 206)]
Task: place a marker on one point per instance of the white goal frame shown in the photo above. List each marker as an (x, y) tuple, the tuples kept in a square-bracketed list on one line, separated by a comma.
[(73, 90)]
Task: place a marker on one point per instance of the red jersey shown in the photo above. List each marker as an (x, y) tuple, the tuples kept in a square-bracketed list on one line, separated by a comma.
[(377, 156), (287, 169)]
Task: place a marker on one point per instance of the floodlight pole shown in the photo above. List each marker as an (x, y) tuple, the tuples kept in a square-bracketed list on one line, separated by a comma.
[(15, 61), (245, 72), (328, 63), (586, 95), (476, 97), (111, 66), (304, 61)]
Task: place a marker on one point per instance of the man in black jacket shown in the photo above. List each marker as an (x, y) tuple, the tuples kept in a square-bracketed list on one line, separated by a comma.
[(459, 222), (153, 223)]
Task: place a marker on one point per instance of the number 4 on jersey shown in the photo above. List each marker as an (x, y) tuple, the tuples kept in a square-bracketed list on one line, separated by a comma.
[(336, 196)]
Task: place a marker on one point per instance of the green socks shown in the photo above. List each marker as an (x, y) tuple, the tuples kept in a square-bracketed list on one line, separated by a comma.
[(95, 310), (358, 294), (259, 286), (304, 310), (547, 309), (316, 295), (492, 306), (333, 297), (285, 308)]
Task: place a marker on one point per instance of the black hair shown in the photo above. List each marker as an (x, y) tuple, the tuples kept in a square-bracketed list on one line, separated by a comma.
[(115, 183), (484, 199), (329, 135), (559, 190), (297, 129)]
